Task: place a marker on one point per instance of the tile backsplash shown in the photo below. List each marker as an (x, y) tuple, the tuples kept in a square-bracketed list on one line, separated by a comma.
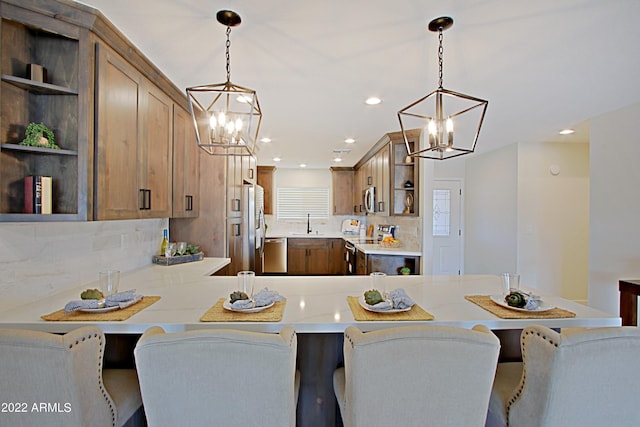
[(42, 259)]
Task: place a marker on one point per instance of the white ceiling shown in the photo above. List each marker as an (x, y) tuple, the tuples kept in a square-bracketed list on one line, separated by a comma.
[(543, 65)]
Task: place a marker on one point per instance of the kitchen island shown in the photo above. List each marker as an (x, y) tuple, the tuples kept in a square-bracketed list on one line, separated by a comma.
[(314, 304), (316, 307)]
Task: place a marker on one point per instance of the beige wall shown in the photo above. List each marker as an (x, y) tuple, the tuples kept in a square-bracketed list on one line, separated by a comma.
[(520, 217), (614, 227), (553, 217), (490, 211)]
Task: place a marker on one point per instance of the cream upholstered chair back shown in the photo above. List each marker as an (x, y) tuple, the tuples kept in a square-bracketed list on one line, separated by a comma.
[(218, 377), (416, 376), (60, 379), (586, 377)]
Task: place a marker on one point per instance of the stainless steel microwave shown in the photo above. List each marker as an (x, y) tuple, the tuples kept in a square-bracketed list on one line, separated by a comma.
[(369, 199)]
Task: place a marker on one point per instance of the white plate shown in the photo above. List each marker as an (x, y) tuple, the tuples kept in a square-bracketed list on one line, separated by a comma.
[(227, 306), (368, 307), (498, 299), (99, 310)]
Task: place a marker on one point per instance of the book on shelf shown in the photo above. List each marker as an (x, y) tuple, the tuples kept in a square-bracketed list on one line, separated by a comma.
[(37, 194)]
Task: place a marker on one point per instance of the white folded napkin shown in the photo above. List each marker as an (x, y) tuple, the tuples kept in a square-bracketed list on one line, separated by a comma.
[(400, 299), (81, 304), (383, 305), (242, 304), (265, 297), (121, 296), (121, 299)]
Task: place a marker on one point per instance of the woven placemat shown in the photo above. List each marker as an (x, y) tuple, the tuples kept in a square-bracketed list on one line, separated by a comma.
[(360, 314), (217, 313), (110, 316), (485, 302)]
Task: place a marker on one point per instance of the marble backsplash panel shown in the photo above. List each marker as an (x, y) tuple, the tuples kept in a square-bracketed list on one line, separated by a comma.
[(42, 259)]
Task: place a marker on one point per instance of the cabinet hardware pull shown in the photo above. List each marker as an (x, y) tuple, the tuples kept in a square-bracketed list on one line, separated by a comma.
[(380, 206), (235, 205), (236, 230), (145, 199), (189, 200), (369, 180), (251, 173)]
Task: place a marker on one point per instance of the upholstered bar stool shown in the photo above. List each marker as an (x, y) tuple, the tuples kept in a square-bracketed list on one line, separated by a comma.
[(416, 376), (583, 377), (218, 377), (58, 380)]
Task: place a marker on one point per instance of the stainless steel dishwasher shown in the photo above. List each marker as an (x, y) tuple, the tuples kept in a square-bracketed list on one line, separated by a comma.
[(275, 255)]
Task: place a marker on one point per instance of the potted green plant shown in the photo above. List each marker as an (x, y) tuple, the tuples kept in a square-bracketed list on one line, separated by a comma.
[(38, 135), (405, 271)]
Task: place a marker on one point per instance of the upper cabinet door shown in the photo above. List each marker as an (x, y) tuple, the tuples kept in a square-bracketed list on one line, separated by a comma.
[(186, 166), (155, 152), (134, 144), (116, 155)]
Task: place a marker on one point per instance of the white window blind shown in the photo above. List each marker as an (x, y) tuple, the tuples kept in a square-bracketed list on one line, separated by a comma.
[(297, 202)]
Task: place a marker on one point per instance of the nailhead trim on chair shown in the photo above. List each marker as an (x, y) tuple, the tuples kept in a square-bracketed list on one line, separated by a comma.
[(517, 394), (103, 390), (349, 339)]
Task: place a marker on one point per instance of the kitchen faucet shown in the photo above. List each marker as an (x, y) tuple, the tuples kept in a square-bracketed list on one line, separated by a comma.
[(308, 224)]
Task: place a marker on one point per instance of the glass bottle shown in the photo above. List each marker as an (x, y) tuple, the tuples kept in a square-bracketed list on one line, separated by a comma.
[(165, 242)]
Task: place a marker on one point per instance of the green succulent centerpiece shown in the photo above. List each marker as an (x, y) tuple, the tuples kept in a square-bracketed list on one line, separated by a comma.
[(38, 135)]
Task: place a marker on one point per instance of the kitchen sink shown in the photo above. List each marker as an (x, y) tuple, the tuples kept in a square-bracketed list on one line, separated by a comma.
[(306, 234)]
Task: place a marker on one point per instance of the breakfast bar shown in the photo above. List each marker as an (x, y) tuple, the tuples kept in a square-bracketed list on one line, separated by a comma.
[(316, 307), (314, 304)]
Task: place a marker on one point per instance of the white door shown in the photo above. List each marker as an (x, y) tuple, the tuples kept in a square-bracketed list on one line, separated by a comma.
[(447, 232)]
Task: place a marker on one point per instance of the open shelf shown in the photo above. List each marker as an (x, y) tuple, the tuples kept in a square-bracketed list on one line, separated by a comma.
[(38, 87), (39, 150)]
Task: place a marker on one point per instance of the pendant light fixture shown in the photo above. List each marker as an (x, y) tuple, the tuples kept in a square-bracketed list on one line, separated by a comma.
[(448, 121), (226, 116)]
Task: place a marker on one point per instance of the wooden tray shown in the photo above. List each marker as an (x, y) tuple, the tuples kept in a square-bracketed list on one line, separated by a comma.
[(180, 259)]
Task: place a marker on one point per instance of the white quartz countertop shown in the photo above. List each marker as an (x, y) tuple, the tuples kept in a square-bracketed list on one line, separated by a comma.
[(367, 248), (314, 304)]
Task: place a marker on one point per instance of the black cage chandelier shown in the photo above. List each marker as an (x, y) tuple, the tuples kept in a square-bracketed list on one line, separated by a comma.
[(448, 121), (226, 116)]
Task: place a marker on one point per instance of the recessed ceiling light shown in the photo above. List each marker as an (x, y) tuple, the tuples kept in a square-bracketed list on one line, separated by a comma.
[(349, 140), (567, 131), (276, 159), (373, 101), (265, 139), (303, 165), (337, 159)]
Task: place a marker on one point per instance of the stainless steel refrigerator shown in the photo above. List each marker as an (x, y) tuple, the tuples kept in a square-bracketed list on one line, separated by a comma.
[(253, 227)]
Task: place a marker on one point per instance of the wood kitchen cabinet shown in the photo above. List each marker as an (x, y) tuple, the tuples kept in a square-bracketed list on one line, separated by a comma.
[(337, 257), (60, 102), (389, 264), (404, 176), (394, 176), (342, 189), (307, 256), (134, 142), (381, 180), (265, 180), (110, 109), (186, 166)]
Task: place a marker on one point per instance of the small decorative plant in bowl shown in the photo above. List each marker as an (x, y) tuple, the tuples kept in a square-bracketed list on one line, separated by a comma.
[(405, 271), (38, 135)]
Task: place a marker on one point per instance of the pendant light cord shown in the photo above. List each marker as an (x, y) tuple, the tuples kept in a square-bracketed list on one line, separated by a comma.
[(440, 54), (229, 61)]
